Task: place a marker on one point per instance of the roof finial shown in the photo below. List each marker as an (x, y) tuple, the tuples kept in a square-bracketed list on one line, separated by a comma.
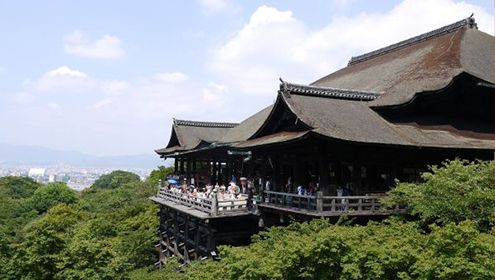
[(471, 21)]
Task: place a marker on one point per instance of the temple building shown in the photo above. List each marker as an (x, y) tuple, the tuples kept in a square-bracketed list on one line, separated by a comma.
[(387, 115)]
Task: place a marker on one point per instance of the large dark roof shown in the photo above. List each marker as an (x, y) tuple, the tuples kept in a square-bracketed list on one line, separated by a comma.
[(344, 104), (424, 63), (355, 121), (248, 127)]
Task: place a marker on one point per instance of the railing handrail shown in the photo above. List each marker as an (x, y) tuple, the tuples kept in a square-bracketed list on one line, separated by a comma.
[(211, 206), (369, 203), (290, 194)]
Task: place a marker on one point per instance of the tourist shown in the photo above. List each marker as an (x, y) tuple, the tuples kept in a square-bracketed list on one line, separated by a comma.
[(300, 190), (244, 188)]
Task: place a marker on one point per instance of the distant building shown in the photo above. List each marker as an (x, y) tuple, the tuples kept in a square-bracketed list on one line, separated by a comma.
[(36, 172)]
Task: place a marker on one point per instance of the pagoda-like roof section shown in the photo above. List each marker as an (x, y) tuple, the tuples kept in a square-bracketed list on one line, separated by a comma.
[(425, 63), (318, 91), (187, 135), (468, 22), (204, 124)]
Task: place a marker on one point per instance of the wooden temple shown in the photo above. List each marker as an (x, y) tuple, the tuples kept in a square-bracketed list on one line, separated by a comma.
[(387, 115)]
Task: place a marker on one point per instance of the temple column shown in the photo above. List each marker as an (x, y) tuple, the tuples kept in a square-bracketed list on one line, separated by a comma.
[(214, 172), (323, 172), (181, 168), (188, 171), (356, 178)]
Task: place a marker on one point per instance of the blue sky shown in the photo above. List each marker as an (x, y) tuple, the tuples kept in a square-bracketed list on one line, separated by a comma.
[(106, 77)]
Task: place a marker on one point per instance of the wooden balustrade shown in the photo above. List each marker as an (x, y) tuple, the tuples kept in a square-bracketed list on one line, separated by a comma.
[(310, 204), (328, 205), (212, 206)]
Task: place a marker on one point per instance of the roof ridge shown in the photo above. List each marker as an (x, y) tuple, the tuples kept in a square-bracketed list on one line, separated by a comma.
[(338, 93), (204, 123), (469, 22)]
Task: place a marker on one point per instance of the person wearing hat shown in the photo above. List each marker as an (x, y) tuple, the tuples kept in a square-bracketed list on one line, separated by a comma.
[(244, 188)]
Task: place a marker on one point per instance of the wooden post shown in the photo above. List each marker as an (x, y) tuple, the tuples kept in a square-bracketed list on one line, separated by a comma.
[(181, 166), (323, 171), (214, 205), (176, 165), (214, 173), (210, 172), (319, 201), (188, 171)]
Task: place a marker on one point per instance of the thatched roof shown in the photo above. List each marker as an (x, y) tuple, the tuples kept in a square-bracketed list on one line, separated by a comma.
[(423, 63)]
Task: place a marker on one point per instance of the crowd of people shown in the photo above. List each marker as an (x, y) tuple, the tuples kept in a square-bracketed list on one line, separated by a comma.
[(232, 191)]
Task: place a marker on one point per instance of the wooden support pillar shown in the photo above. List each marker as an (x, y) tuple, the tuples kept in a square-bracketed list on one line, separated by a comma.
[(210, 172), (176, 165), (356, 178), (214, 173), (296, 172), (181, 166), (228, 169), (196, 236), (276, 174), (188, 171), (338, 174), (323, 172)]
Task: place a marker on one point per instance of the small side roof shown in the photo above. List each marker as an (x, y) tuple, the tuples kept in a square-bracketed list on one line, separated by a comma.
[(188, 134)]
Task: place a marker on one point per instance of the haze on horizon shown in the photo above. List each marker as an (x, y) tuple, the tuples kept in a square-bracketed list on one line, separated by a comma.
[(106, 78)]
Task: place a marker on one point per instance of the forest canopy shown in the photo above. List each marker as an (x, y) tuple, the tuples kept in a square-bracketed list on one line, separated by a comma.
[(109, 231)]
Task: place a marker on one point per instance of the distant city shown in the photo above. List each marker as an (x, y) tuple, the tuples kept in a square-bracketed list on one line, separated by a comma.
[(77, 178), (77, 169)]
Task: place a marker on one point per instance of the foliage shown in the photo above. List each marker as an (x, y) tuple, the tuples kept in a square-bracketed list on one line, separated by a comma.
[(115, 179), (320, 250), (50, 195), (108, 232), (456, 191), (36, 257), (17, 187), (103, 233), (159, 174)]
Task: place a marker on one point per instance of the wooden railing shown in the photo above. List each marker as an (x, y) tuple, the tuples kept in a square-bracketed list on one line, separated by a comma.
[(306, 202), (211, 206), (328, 205)]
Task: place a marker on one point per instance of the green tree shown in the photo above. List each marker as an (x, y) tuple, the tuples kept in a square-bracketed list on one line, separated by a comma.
[(457, 190), (17, 187), (38, 255), (115, 179), (50, 195), (159, 174)]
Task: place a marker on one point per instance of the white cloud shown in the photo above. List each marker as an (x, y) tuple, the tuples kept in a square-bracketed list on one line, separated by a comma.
[(101, 103), (276, 44), (171, 77), (64, 71), (72, 109), (61, 80), (107, 47), (216, 6), (214, 92)]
